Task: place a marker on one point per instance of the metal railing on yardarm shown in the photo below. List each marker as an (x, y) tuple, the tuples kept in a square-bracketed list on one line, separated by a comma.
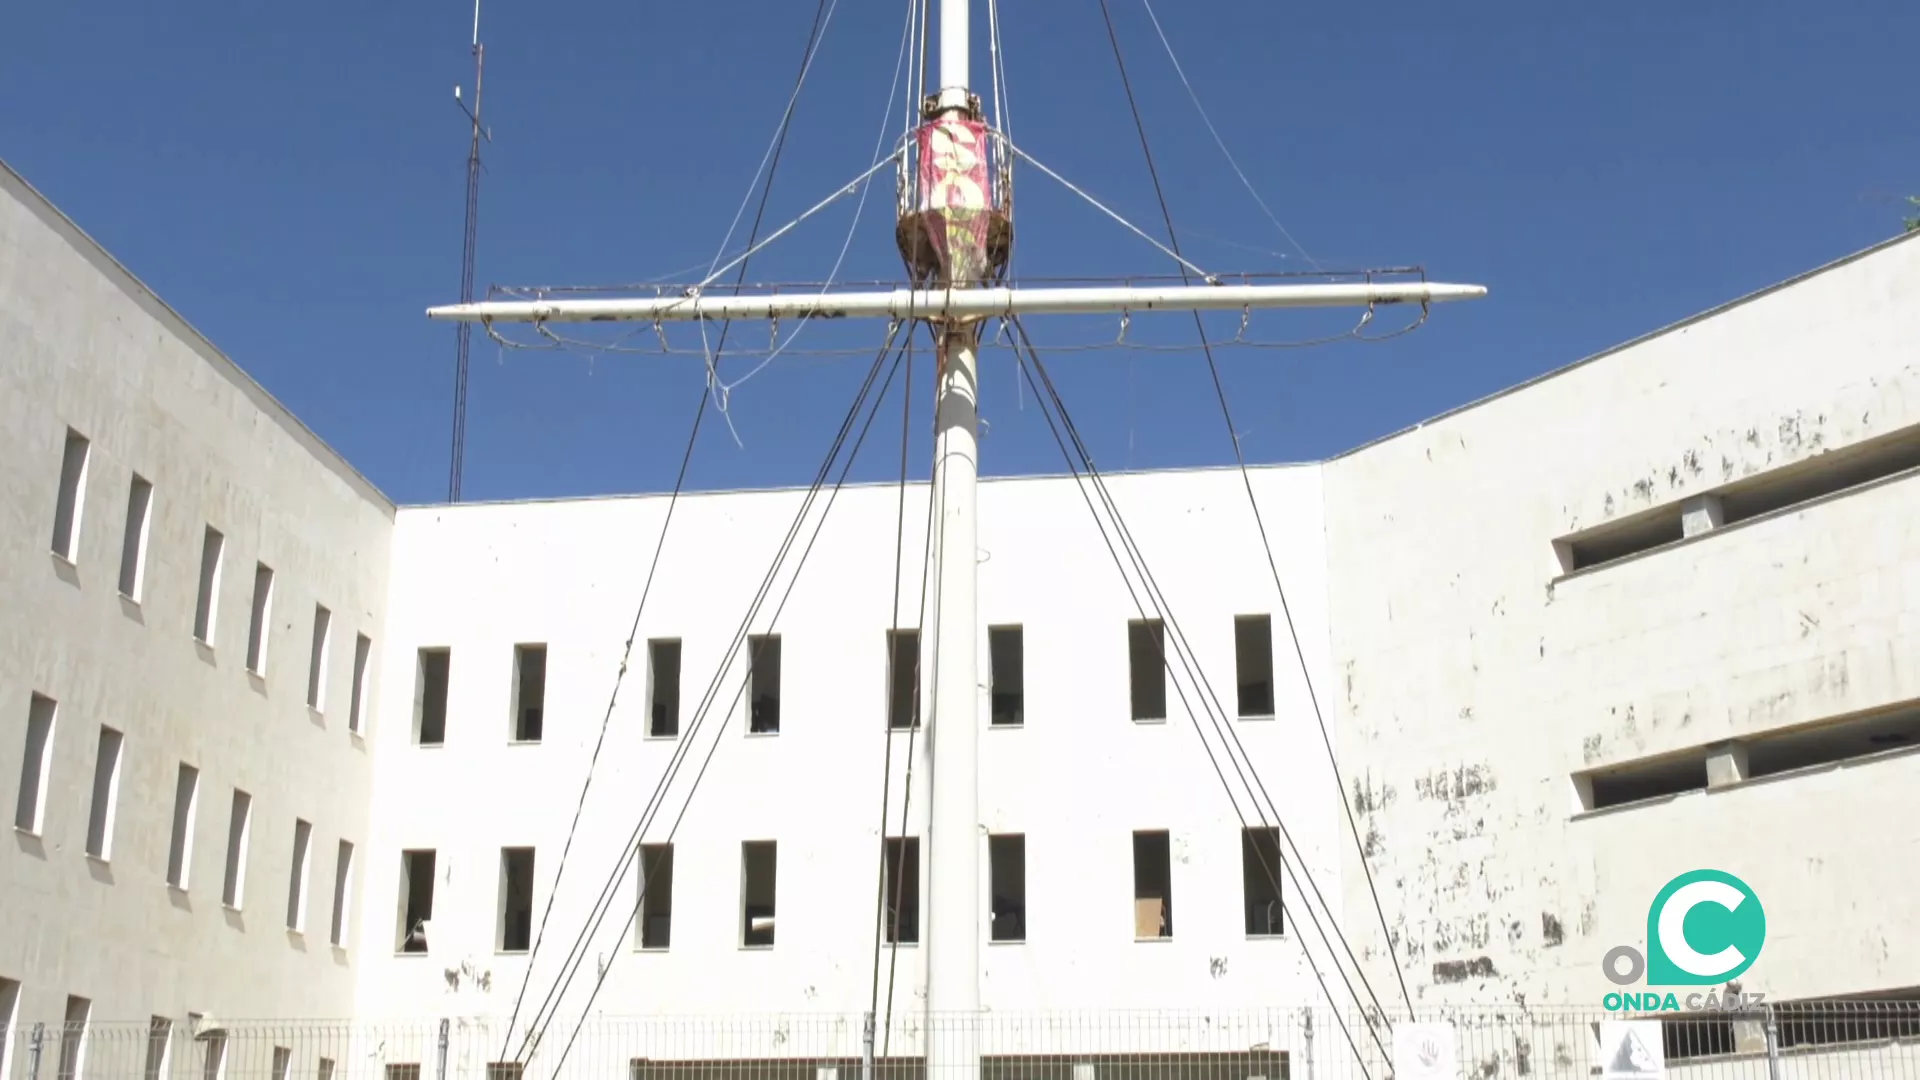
[(1845, 1040)]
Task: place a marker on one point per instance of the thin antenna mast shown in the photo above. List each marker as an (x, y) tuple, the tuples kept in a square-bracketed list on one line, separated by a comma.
[(464, 334)]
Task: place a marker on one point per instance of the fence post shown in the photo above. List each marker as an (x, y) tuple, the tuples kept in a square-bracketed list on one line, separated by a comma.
[(1308, 1018), (440, 1071), (866, 1050), (1773, 1045), (39, 1039)]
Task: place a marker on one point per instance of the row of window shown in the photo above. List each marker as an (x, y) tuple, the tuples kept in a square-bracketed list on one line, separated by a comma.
[(30, 817), (208, 1047), (1260, 870), (68, 512), (1147, 667)]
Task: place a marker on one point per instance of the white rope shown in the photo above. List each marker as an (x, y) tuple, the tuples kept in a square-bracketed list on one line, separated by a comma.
[(805, 66), (844, 190), (1102, 207), (1218, 141), (727, 389)]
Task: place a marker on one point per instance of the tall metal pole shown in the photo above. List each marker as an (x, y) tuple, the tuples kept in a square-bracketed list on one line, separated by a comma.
[(463, 341), (953, 915)]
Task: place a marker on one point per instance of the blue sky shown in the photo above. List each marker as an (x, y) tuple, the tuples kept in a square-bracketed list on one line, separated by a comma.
[(290, 177)]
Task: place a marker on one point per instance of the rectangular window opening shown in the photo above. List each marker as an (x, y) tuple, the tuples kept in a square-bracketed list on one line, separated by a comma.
[(207, 601), (362, 656), (763, 676), (663, 688), (416, 900), (213, 1065), (159, 1047), (317, 659), (1260, 880), (233, 886), (1835, 741), (1831, 741), (902, 882), (282, 1062), (73, 1037), (514, 931), (1007, 883), (325, 1069), (1253, 664), (106, 795), (1146, 663), (186, 790), (133, 543), (430, 697), (1823, 475), (505, 1070), (903, 679), (342, 894), (1643, 780), (1152, 885), (1006, 667), (36, 764), (9, 1019), (73, 483), (297, 877), (656, 896), (257, 623), (758, 859), (529, 692), (408, 1071)]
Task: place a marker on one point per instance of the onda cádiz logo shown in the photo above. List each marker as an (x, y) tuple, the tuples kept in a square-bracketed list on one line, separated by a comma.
[(1704, 928)]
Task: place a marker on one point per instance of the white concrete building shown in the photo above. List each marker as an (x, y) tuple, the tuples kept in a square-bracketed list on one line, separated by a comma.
[(1655, 612)]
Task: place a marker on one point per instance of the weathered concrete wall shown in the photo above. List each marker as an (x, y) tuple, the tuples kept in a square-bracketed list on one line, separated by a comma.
[(1078, 778), (1472, 684), (84, 345)]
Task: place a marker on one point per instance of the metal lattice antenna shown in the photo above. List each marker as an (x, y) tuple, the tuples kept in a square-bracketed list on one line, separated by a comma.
[(464, 334)]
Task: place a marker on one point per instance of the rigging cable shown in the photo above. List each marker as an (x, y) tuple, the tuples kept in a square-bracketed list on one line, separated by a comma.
[(770, 163), (846, 244), (1194, 97), (1169, 623), (930, 570), (619, 677), (1246, 481), (920, 620), (602, 905), (839, 482)]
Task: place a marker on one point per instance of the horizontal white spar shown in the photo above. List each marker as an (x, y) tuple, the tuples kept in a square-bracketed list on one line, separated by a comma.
[(956, 303)]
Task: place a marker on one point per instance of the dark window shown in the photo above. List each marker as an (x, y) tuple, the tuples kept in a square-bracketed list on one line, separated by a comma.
[(663, 688), (903, 889), (529, 692), (1006, 664), (1007, 870), (1152, 885), (1146, 642), (430, 697), (764, 684), (1253, 663), (903, 679), (1260, 880)]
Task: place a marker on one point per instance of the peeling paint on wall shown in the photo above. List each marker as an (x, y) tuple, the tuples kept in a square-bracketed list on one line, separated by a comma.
[(1454, 971)]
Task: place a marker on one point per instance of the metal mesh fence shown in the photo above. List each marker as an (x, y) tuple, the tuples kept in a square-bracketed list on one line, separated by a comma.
[(1849, 1040)]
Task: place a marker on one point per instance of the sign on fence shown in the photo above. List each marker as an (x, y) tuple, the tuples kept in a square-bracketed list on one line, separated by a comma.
[(1631, 1050), (1424, 1052)]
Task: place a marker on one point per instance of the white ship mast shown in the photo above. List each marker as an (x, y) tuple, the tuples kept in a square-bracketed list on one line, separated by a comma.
[(955, 232)]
